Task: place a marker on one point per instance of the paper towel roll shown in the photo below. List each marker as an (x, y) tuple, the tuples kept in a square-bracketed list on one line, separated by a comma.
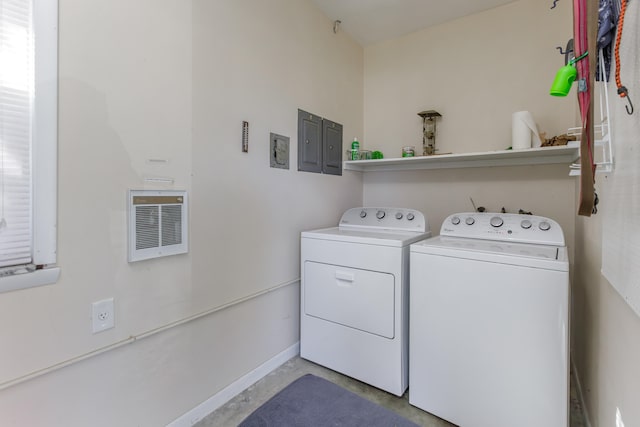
[(524, 132)]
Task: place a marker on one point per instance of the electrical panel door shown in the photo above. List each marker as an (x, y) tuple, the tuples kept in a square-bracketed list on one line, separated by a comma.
[(309, 142), (331, 147)]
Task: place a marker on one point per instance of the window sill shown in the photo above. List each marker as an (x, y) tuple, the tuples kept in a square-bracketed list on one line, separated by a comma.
[(46, 276)]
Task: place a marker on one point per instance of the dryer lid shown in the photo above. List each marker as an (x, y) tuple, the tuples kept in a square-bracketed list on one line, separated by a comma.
[(377, 226), (367, 237)]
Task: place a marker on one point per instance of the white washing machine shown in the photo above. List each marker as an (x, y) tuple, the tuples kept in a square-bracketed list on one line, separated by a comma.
[(354, 294), (489, 322)]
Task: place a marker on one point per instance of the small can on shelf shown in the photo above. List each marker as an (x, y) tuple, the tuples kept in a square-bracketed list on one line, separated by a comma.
[(365, 155), (408, 151)]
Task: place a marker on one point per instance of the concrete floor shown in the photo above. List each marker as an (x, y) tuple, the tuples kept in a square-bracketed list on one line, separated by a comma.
[(237, 409)]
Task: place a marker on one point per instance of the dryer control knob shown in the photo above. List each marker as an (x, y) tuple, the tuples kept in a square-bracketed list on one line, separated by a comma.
[(380, 214), (470, 220), (455, 220), (526, 224), (410, 216), (399, 215), (544, 226), (496, 221), (363, 214)]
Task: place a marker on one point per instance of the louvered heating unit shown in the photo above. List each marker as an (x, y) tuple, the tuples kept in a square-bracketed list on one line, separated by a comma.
[(158, 224)]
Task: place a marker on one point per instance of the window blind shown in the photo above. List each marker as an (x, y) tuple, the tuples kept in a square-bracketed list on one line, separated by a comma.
[(16, 107)]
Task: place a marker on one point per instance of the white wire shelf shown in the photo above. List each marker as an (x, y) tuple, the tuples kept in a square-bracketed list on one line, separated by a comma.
[(602, 147)]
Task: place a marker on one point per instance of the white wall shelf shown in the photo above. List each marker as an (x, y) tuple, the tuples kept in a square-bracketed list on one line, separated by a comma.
[(531, 156)]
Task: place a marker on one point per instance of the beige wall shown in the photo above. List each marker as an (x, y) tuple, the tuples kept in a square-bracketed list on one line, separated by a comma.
[(157, 379), (475, 71), (174, 80), (262, 70), (606, 348), (543, 190), (607, 330)]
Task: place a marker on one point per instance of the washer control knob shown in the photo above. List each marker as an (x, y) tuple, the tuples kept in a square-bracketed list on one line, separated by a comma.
[(399, 215), (363, 214), (526, 224), (455, 220), (470, 220), (380, 214), (496, 221), (410, 216), (544, 226)]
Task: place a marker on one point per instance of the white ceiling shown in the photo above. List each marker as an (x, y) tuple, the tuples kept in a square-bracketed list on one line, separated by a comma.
[(373, 21)]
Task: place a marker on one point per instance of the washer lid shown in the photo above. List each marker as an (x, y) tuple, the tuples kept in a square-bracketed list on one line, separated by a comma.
[(544, 256), (367, 236)]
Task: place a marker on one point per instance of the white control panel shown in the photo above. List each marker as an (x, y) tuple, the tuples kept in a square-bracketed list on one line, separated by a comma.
[(397, 219), (503, 227)]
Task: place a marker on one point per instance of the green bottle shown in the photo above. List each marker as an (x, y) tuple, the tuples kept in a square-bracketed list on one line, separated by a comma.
[(355, 149)]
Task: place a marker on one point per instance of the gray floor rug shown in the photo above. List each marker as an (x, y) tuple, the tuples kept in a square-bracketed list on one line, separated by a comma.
[(311, 401)]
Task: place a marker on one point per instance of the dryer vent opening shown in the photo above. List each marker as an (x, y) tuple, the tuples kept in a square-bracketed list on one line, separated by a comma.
[(157, 224)]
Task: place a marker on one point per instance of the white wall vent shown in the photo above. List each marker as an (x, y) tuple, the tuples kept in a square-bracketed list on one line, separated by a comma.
[(157, 224)]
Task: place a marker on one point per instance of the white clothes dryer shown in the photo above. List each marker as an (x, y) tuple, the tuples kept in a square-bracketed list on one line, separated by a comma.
[(354, 294), (490, 322)]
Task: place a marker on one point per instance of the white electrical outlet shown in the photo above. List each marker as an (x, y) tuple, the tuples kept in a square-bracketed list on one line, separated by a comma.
[(102, 316)]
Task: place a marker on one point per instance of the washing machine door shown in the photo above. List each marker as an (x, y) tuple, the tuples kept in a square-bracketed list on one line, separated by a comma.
[(351, 297), (532, 255)]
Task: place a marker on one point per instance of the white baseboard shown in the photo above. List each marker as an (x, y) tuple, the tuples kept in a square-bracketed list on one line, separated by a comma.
[(580, 395), (235, 388)]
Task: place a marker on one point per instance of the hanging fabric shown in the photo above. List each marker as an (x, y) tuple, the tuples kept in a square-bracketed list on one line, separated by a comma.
[(607, 19), (585, 16)]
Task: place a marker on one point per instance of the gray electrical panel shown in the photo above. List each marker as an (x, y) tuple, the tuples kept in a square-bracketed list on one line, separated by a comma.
[(319, 144), (331, 147), (309, 142)]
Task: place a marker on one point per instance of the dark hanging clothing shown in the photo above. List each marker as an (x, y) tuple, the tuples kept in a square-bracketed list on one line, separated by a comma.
[(609, 11)]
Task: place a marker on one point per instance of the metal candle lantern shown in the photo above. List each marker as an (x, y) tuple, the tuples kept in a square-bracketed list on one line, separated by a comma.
[(429, 131)]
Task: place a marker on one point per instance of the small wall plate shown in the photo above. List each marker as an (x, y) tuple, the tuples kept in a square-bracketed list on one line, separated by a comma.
[(279, 151)]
